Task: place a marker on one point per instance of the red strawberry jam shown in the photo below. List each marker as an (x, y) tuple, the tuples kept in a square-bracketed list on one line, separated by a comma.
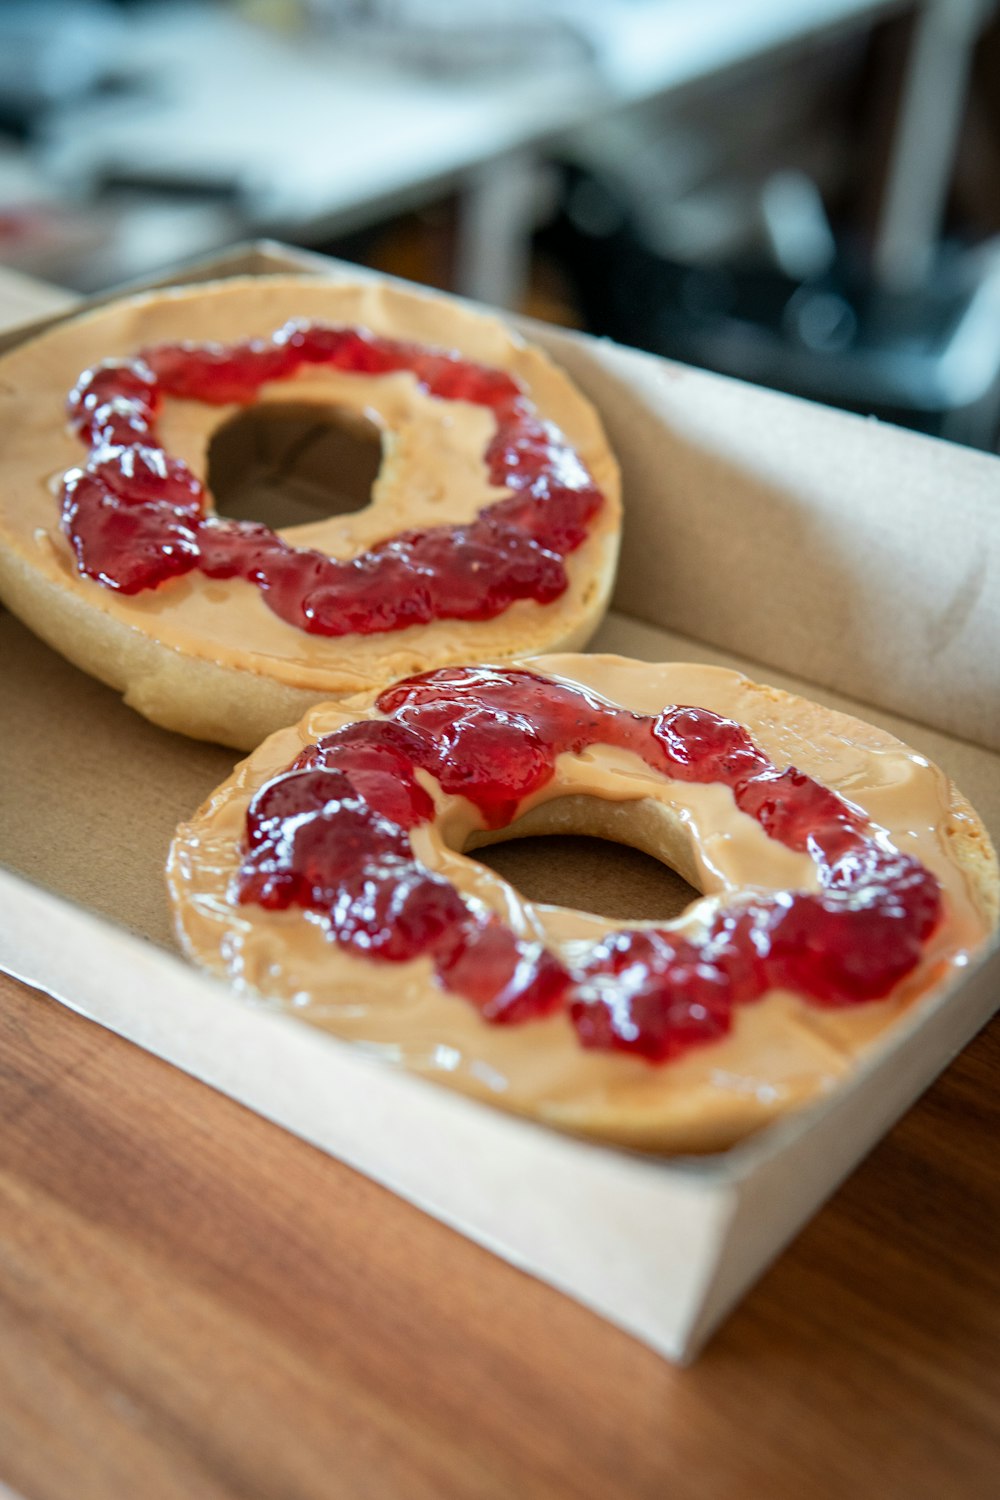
[(331, 836), (136, 517)]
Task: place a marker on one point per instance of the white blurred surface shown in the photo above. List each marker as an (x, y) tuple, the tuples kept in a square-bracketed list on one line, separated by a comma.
[(314, 138)]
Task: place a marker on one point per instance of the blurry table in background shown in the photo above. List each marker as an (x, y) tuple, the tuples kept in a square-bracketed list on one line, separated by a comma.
[(251, 130), (196, 1305)]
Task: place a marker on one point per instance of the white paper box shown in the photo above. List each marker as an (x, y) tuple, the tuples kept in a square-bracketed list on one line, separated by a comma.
[(852, 562)]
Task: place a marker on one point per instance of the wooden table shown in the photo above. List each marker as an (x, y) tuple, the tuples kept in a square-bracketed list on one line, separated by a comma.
[(196, 1304)]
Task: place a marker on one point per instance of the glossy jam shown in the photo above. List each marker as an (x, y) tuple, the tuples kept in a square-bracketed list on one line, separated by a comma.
[(331, 836), (137, 517)]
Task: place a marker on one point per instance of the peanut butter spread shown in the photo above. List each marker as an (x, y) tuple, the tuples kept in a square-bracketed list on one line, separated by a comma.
[(781, 1052)]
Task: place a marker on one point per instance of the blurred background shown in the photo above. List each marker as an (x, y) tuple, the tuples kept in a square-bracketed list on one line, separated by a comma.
[(802, 193)]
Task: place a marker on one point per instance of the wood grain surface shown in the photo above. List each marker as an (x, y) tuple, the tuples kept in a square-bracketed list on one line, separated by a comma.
[(195, 1304)]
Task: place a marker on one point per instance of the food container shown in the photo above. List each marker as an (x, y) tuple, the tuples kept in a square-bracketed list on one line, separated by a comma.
[(849, 561)]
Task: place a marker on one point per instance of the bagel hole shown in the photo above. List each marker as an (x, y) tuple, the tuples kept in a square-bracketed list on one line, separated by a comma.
[(591, 874), (293, 463)]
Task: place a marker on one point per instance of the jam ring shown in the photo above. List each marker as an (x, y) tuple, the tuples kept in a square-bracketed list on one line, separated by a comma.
[(328, 875), (492, 527)]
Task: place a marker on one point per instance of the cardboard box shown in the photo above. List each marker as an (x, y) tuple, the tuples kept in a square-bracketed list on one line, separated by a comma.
[(839, 558)]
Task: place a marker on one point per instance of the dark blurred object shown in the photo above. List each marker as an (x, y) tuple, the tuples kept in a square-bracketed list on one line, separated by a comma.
[(742, 272), (927, 358)]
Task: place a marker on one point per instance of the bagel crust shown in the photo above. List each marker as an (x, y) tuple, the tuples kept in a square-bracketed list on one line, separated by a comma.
[(781, 1052), (205, 656)]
